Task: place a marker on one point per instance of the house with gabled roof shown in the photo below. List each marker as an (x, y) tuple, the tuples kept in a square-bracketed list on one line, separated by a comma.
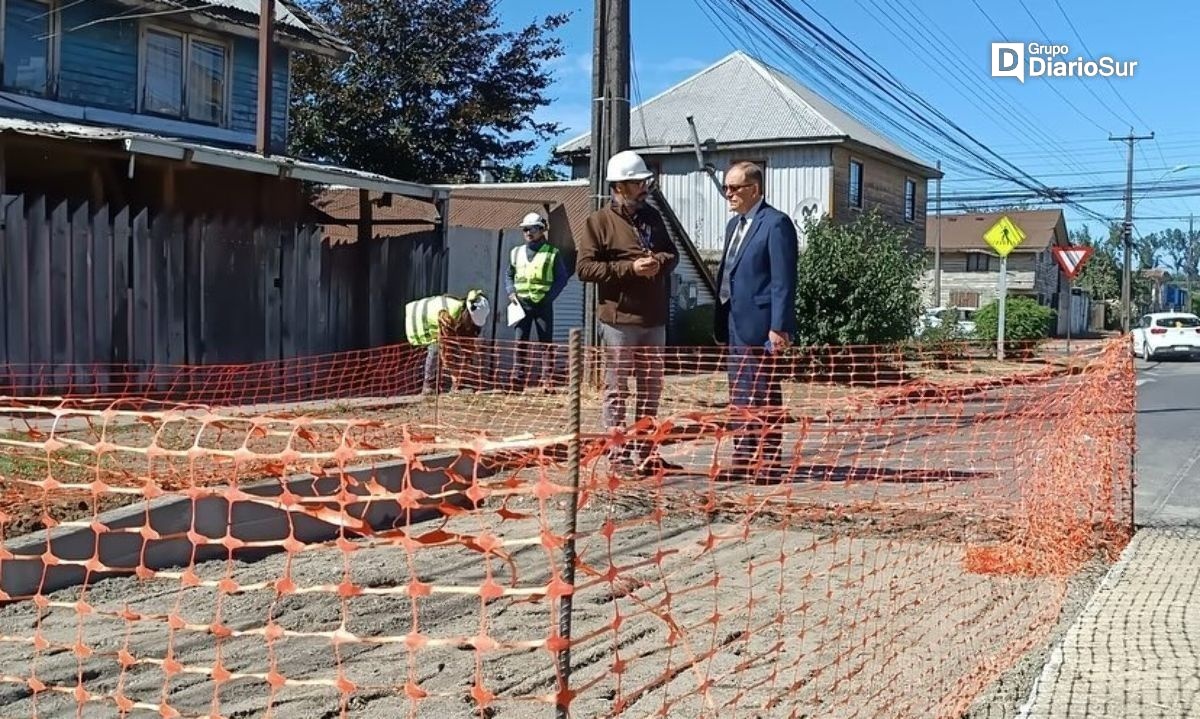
[(970, 267), (817, 158), (143, 225)]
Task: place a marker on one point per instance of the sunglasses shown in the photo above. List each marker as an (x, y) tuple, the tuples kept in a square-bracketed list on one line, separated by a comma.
[(735, 188)]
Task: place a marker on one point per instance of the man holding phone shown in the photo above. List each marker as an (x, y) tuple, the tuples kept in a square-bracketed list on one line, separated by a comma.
[(625, 250)]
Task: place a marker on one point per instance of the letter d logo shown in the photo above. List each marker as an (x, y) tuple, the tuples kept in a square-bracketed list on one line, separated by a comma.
[(1008, 60)]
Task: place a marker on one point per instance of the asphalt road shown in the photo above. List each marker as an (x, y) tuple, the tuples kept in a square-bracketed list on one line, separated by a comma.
[(1168, 434)]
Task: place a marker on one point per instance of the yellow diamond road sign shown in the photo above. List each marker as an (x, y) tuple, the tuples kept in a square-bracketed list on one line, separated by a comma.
[(1004, 236)]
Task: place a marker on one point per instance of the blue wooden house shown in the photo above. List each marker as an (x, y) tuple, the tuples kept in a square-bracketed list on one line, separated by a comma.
[(142, 225)]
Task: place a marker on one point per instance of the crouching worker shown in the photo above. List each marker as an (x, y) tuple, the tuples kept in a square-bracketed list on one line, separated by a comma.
[(429, 320)]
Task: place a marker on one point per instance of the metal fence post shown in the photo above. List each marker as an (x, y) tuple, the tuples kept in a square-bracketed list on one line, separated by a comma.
[(574, 450)]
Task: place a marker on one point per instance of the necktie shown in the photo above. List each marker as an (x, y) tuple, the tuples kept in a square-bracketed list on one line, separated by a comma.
[(738, 235), (734, 245)]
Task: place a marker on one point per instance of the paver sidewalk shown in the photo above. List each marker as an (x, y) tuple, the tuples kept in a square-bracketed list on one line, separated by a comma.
[(1134, 652)]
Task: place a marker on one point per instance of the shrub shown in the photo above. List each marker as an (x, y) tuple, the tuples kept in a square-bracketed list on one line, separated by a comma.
[(858, 284), (1025, 322)]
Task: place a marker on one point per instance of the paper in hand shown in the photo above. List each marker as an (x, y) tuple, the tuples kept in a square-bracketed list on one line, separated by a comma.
[(515, 313)]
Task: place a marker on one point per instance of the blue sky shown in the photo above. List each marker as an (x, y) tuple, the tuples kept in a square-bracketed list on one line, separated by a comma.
[(673, 39)]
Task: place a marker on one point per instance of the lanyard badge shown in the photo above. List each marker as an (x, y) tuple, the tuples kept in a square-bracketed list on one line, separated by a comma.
[(644, 238)]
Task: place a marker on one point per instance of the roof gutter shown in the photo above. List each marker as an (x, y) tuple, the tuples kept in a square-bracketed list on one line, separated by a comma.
[(690, 149), (287, 35), (246, 162)]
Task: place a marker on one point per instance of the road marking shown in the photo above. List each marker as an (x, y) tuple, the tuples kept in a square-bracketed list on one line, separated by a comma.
[(1144, 380)]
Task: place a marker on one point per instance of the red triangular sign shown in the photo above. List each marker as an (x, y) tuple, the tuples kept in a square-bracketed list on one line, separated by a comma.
[(1072, 259)]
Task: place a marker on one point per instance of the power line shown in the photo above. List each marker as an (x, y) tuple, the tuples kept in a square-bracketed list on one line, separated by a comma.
[(1086, 85), (1011, 123), (1052, 86), (1079, 36)]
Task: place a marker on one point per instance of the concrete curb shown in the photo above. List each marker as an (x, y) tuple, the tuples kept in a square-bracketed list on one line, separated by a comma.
[(156, 533)]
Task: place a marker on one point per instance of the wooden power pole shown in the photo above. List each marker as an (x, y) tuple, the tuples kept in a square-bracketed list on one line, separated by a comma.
[(266, 41)]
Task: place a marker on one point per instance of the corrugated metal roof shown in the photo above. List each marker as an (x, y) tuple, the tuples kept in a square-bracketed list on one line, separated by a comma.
[(486, 207), (501, 206), (965, 231), (65, 130), (290, 18), (173, 148), (740, 99)]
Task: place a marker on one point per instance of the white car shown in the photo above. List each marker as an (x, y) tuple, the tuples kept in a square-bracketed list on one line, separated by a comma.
[(1163, 334), (964, 318)]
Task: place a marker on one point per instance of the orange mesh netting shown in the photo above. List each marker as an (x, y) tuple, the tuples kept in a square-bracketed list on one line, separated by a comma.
[(377, 553)]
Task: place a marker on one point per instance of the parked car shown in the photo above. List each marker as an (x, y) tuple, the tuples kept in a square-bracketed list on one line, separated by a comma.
[(963, 317), (1163, 334)]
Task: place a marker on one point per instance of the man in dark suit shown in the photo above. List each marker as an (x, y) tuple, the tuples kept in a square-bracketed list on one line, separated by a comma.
[(756, 316)]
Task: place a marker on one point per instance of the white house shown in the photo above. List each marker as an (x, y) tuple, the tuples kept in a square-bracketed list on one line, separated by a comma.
[(816, 157)]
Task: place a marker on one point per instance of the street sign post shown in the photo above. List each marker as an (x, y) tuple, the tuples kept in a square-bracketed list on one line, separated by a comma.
[(1071, 259), (1003, 237)]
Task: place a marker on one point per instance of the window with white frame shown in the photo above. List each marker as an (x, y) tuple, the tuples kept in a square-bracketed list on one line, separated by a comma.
[(30, 28), (856, 184), (184, 76), (910, 199)]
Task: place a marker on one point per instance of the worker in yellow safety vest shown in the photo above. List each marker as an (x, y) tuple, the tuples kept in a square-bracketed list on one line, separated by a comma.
[(536, 276), (428, 320)]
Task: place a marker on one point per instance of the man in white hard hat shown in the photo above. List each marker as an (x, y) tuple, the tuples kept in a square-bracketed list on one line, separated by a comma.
[(624, 249), (536, 275), (429, 320)]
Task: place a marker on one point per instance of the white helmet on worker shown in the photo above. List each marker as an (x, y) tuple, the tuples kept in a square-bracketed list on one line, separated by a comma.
[(533, 219), (478, 307), (627, 166)]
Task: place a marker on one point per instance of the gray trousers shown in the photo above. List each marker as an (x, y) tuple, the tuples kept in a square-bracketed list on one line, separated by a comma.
[(431, 369), (632, 351)]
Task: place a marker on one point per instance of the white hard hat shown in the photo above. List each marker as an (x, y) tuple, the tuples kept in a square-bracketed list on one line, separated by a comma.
[(478, 307), (533, 219), (627, 165)]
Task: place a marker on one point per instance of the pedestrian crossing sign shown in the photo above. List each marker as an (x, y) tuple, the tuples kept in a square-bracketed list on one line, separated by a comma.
[(1004, 236)]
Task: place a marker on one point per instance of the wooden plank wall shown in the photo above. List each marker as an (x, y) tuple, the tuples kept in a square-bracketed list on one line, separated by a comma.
[(95, 297)]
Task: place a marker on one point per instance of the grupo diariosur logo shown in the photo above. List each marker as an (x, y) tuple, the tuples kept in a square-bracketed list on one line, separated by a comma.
[(1034, 59)]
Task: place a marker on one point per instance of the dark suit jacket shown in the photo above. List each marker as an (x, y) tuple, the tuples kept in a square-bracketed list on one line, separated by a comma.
[(762, 280)]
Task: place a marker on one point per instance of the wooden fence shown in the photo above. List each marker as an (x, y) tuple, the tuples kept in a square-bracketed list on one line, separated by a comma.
[(85, 286)]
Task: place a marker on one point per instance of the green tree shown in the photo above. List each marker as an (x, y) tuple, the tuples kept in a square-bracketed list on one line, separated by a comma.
[(1101, 275), (549, 171), (857, 283), (434, 88), (1183, 248)]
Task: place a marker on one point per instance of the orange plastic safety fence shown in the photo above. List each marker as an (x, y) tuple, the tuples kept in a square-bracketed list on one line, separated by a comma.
[(910, 540)]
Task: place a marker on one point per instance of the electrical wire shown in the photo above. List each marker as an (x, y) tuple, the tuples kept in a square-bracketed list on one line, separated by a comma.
[(893, 103)]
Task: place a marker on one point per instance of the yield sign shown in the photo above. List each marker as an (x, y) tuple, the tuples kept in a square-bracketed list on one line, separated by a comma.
[(1072, 259)]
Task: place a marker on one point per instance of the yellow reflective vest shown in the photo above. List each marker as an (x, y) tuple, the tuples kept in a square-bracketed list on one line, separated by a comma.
[(533, 278), (421, 317)]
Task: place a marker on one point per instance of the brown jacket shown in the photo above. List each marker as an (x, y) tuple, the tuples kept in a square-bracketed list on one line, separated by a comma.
[(606, 249)]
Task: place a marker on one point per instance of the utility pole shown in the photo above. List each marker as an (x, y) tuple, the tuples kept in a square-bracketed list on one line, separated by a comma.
[(1190, 256), (937, 248), (597, 156), (266, 37), (1127, 229), (618, 75)]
